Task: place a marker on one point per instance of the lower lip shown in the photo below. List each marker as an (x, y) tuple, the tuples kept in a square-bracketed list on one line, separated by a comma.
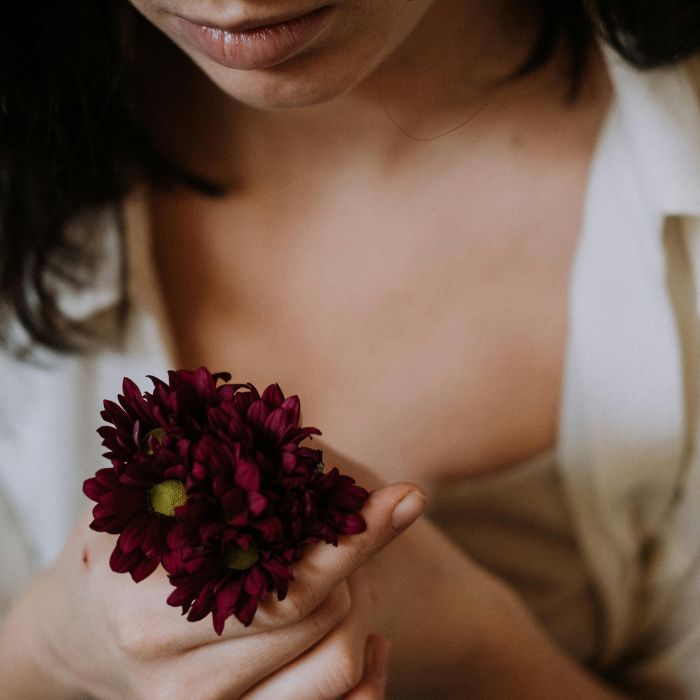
[(262, 47)]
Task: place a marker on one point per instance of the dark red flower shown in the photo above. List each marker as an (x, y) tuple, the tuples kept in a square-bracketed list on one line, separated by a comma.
[(211, 482), (224, 571), (142, 422), (138, 502), (338, 500)]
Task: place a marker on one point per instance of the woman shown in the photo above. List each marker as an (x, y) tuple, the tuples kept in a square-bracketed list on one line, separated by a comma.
[(463, 231)]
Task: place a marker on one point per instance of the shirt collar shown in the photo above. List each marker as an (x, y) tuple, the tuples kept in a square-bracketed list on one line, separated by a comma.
[(660, 114)]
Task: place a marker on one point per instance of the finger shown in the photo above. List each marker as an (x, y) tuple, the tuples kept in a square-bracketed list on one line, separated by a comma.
[(139, 615), (231, 667), (388, 512), (373, 684), (332, 667)]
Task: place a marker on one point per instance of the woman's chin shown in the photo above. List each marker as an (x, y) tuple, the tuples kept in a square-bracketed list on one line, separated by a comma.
[(287, 86)]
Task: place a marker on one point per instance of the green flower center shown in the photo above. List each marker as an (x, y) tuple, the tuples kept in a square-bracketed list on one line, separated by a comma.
[(241, 559), (158, 434), (167, 496)]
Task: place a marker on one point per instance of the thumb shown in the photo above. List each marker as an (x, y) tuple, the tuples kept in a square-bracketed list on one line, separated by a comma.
[(387, 513)]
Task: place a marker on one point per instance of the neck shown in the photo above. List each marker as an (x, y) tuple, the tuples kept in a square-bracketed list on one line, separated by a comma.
[(442, 77)]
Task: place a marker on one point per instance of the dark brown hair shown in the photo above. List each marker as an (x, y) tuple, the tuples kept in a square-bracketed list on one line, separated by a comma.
[(69, 141)]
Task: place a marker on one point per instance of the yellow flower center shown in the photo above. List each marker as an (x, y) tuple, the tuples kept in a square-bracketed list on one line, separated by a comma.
[(241, 559), (158, 434), (167, 496)]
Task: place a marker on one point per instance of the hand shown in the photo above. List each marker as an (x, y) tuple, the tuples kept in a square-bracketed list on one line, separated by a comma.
[(373, 684), (345, 659), (100, 633)]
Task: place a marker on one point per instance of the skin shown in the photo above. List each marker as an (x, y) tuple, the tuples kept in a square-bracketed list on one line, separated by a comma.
[(371, 188), (363, 36), (80, 628), (360, 179)]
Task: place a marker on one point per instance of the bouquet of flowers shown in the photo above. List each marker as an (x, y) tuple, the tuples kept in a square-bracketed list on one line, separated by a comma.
[(210, 481)]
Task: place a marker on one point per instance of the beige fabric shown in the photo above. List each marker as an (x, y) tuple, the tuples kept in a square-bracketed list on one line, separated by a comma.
[(517, 524)]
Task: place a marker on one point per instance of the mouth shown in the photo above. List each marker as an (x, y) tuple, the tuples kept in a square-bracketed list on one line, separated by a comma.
[(256, 43), (252, 25)]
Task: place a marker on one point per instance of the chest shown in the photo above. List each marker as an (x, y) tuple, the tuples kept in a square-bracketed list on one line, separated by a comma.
[(425, 333)]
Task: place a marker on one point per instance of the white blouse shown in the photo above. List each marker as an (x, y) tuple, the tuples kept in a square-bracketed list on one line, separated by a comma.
[(626, 448)]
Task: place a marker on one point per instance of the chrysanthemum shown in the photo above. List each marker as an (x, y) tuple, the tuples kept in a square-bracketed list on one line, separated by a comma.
[(225, 571), (338, 500), (140, 422), (211, 482), (138, 502)]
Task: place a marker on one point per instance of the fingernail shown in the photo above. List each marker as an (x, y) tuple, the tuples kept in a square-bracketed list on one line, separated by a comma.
[(378, 656), (408, 509)]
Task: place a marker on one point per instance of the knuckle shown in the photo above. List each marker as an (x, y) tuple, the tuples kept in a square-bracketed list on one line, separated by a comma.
[(165, 688), (357, 555), (362, 551), (339, 604), (135, 639), (161, 692), (298, 606), (153, 692), (332, 612), (344, 673)]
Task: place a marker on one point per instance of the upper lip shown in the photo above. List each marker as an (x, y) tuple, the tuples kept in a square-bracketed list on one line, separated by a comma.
[(251, 23)]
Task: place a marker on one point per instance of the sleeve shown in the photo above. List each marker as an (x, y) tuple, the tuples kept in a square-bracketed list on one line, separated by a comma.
[(15, 557)]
